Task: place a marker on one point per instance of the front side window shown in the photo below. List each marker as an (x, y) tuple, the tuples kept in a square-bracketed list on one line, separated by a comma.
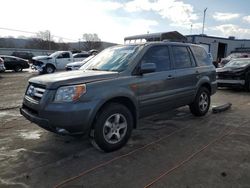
[(159, 55), (182, 57)]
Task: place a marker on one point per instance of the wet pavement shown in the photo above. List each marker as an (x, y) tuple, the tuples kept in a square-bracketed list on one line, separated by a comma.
[(171, 149)]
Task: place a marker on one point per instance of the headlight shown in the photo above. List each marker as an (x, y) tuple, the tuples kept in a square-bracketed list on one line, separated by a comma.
[(70, 93)]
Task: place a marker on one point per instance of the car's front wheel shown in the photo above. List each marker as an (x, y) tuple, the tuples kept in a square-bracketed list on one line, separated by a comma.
[(112, 128), (201, 104), (49, 69), (18, 68)]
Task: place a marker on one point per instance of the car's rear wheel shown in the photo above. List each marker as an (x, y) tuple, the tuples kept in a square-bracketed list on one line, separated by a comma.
[(247, 81), (201, 104), (112, 128), (18, 68), (49, 69)]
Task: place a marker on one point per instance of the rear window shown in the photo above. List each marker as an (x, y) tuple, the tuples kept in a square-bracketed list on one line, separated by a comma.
[(201, 56)]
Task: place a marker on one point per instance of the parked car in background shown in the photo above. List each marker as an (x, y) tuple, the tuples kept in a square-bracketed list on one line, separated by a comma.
[(93, 52), (118, 86), (236, 73), (234, 55), (23, 55), (80, 56), (77, 65), (2, 67), (15, 63), (56, 61)]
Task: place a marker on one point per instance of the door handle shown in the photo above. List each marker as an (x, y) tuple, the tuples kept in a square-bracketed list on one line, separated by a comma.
[(170, 77)]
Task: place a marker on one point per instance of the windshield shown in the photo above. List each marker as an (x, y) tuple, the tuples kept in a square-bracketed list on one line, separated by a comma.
[(238, 55), (238, 63), (112, 59), (54, 54), (87, 59)]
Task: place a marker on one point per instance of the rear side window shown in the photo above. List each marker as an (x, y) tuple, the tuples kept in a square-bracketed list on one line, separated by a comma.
[(159, 55), (182, 57), (201, 56)]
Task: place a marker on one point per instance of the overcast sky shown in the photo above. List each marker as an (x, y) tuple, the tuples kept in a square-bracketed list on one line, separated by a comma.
[(114, 20)]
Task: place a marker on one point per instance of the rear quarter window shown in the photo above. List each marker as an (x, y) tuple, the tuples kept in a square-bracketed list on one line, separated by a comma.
[(201, 56)]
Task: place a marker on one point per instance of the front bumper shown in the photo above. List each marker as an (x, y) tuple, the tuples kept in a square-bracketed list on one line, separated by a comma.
[(230, 83), (38, 68), (62, 118)]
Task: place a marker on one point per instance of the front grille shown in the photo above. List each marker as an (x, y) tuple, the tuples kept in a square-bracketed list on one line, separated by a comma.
[(35, 91), (36, 62)]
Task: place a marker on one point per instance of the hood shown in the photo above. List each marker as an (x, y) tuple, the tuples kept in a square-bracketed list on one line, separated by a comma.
[(41, 58), (53, 81), (75, 64), (230, 69)]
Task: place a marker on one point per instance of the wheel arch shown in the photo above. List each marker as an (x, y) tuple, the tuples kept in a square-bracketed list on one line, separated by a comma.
[(205, 82), (50, 64), (124, 100)]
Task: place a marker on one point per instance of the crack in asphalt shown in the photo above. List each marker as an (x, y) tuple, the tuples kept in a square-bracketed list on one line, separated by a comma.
[(10, 108)]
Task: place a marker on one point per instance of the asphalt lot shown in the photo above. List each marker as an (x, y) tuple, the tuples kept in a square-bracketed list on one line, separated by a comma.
[(172, 149)]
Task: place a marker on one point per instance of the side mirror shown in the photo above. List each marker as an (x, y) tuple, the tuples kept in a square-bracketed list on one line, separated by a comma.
[(147, 68)]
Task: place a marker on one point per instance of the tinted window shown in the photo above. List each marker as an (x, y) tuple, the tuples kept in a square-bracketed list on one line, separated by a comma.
[(158, 55), (201, 56), (7, 59), (182, 57)]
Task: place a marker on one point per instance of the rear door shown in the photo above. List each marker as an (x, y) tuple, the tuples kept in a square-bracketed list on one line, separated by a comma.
[(186, 74), (154, 89)]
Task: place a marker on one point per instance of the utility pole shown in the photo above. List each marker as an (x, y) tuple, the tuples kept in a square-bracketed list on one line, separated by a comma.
[(49, 38), (204, 18), (79, 46), (191, 29)]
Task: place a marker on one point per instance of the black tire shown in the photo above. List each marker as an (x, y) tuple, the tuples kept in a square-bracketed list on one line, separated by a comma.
[(201, 104), (247, 81), (49, 69), (18, 68), (101, 131)]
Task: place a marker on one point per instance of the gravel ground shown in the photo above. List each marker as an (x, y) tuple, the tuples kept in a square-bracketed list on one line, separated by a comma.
[(171, 149)]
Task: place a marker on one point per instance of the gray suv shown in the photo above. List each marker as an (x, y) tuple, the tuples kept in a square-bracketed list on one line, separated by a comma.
[(107, 96)]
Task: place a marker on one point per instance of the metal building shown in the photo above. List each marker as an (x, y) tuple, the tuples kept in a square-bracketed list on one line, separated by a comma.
[(220, 47)]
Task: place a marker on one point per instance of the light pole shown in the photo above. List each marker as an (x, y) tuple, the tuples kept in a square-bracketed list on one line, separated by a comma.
[(79, 46), (204, 18)]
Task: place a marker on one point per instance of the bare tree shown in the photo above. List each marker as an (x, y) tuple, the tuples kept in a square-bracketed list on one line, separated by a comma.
[(45, 36), (91, 41)]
